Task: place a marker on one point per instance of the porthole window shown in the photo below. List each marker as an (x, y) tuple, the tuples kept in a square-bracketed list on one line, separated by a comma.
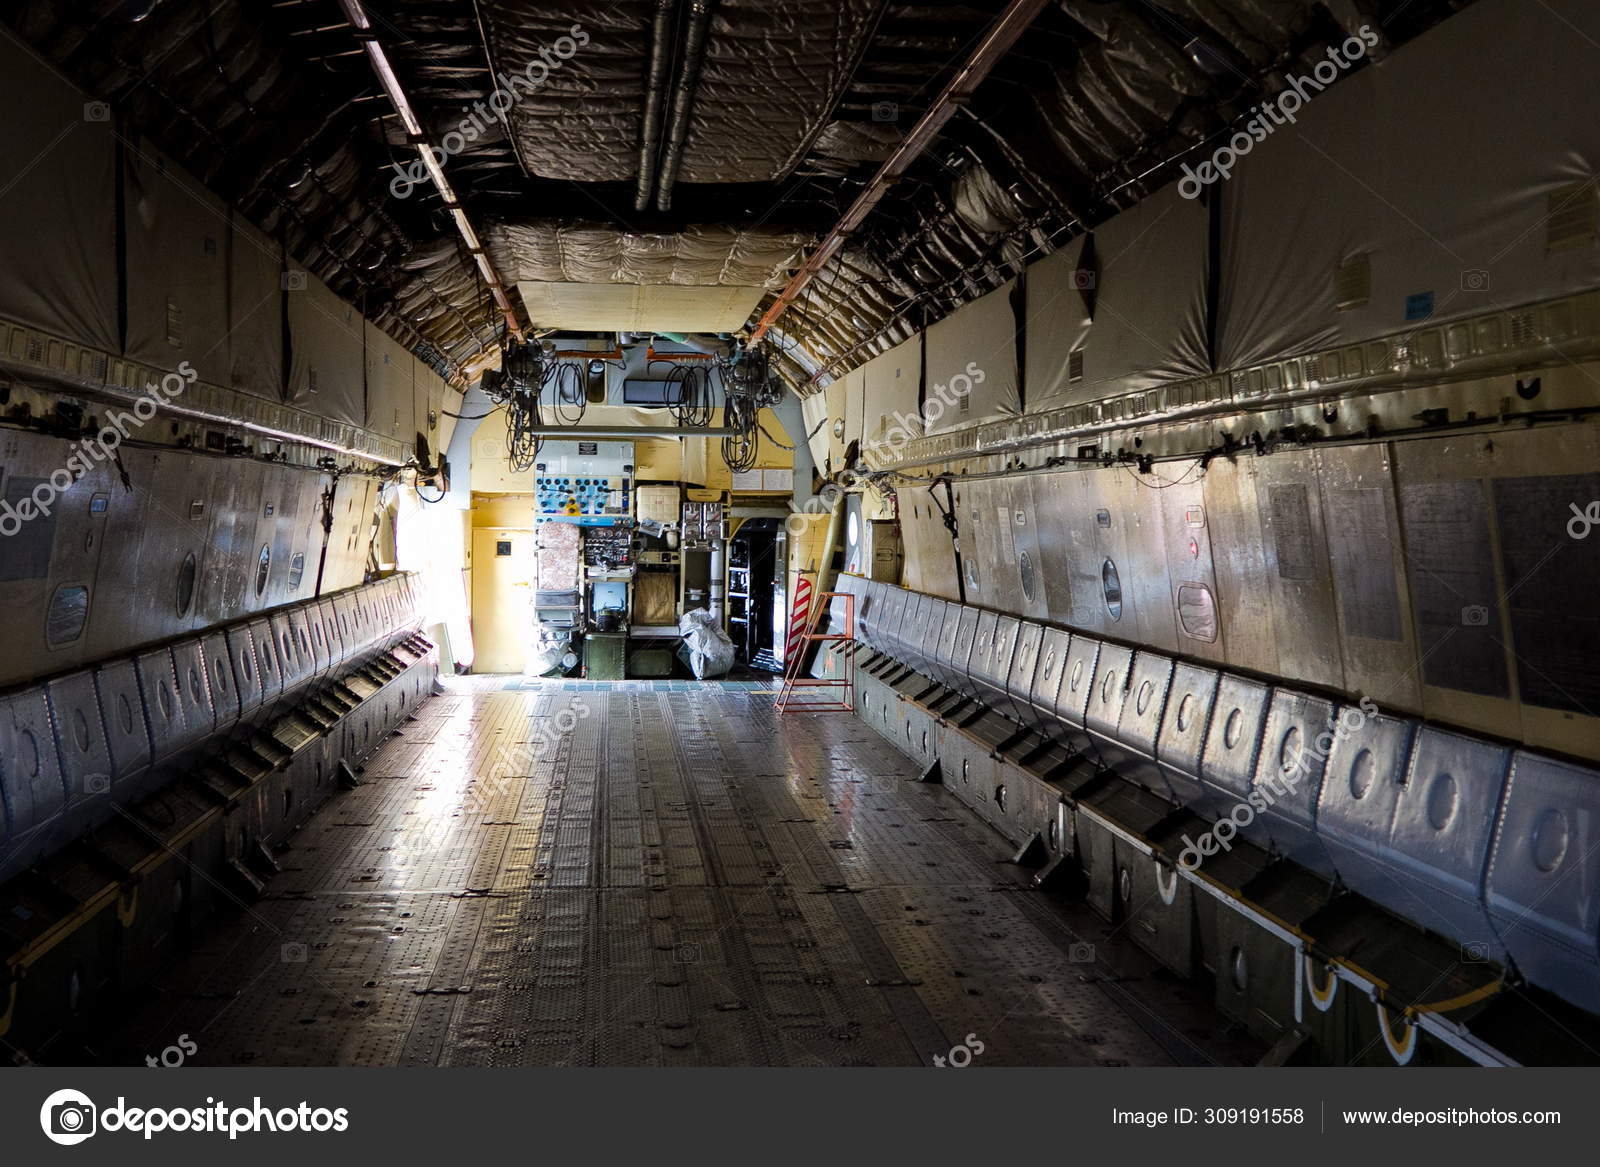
[(1111, 585), (188, 570), (297, 570), (68, 612), (1000, 797), (263, 568)]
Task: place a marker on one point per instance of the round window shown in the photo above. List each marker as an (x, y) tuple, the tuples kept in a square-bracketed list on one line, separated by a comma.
[(1112, 586), (188, 570)]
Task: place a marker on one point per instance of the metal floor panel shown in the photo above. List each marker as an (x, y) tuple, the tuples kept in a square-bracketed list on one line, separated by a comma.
[(647, 877)]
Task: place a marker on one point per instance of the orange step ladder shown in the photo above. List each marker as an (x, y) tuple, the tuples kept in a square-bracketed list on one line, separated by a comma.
[(795, 683)]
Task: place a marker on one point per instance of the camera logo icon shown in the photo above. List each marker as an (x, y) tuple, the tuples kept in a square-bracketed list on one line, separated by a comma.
[(97, 784), (1475, 280), (1475, 616), (1474, 952), (96, 111), (68, 1117), (293, 953), (292, 281), (1083, 279), (885, 111), (1081, 953)]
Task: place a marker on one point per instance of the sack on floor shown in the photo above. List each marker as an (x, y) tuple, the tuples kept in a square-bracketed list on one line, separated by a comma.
[(710, 652)]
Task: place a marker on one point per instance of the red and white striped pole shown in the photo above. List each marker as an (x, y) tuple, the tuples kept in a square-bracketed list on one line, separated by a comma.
[(799, 617)]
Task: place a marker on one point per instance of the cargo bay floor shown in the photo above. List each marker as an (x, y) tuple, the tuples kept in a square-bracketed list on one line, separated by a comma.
[(637, 875)]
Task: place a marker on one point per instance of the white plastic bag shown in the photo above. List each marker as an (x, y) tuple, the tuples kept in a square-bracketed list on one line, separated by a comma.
[(710, 650)]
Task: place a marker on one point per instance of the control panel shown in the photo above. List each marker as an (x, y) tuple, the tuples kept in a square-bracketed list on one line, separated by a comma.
[(587, 483), (578, 497)]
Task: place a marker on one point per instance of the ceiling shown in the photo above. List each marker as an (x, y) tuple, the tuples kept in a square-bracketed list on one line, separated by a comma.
[(672, 160)]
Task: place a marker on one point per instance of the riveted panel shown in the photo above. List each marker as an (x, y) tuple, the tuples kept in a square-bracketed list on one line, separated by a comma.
[(1296, 740), (1442, 826), (1544, 876), (1077, 680), (1363, 777), (123, 713), (1182, 740)]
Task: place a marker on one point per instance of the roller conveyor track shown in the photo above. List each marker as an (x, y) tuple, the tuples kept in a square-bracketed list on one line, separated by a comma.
[(681, 879)]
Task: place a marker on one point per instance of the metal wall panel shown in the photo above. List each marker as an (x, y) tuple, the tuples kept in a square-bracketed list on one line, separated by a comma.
[(980, 664), (1108, 692), (1244, 605), (30, 776), (965, 647), (1377, 642), (1305, 620), (269, 668), (1149, 681), (247, 675), (1024, 663), (1035, 599), (1054, 649), (80, 745), (1001, 658), (123, 713), (1191, 575), (1145, 576), (296, 664), (219, 668), (1363, 777), (158, 682), (1543, 885), (329, 620), (1549, 579), (1077, 678), (1182, 739), (1295, 743), (199, 715), (1443, 821), (1228, 763)]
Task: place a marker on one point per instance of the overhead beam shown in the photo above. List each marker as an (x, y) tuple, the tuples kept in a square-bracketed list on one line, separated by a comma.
[(631, 431), (1002, 35), (390, 80)]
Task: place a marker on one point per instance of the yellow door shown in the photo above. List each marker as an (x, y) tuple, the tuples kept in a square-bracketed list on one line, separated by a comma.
[(502, 600)]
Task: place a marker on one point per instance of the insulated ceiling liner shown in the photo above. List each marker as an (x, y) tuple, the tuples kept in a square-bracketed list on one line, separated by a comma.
[(638, 307), (591, 277), (1149, 293), (972, 364), (771, 72), (57, 177), (1463, 197)]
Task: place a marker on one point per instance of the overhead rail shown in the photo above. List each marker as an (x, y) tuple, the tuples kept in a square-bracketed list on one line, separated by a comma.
[(390, 81), (1010, 25)]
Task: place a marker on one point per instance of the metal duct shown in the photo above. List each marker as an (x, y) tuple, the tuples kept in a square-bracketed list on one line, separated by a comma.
[(661, 38), (694, 55)]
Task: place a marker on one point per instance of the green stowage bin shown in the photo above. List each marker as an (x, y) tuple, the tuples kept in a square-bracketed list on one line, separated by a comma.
[(603, 654), (650, 659)]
